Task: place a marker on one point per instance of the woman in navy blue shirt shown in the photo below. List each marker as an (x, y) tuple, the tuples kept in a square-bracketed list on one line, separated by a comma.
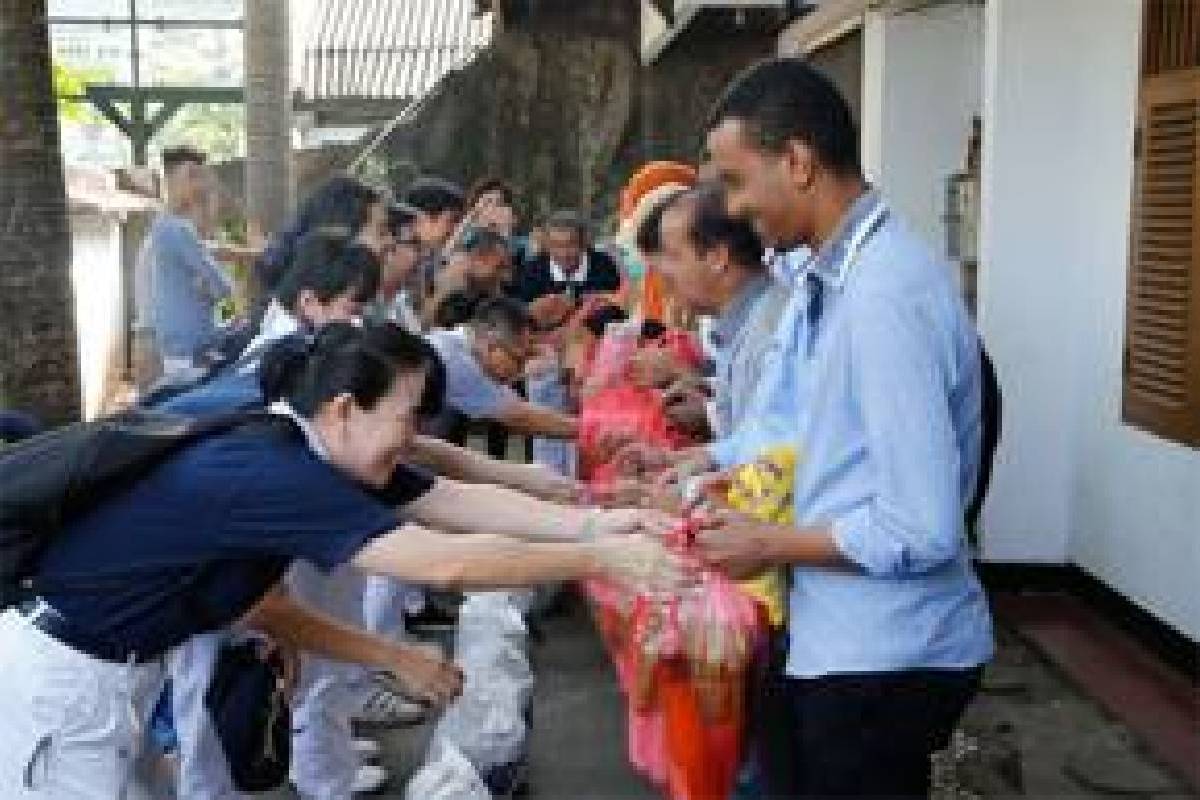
[(202, 540)]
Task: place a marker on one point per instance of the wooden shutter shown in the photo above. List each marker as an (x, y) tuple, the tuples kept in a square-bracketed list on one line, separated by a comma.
[(1162, 348)]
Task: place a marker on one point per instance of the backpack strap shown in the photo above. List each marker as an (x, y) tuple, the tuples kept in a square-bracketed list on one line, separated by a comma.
[(196, 431)]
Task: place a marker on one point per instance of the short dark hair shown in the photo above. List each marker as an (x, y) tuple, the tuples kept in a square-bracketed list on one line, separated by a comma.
[(434, 196), (341, 202), (568, 219), (648, 237), (502, 317), (781, 99), (710, 225), (454, 309), (330, 263), (490, 184), (309, 370), (172, 157)]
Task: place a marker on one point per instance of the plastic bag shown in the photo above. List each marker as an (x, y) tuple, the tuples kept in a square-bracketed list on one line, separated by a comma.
[(617, 416), (614, 351), (446, 775), (682, 346), (497, 612), (490, 645), (487, 723), (763, 489)]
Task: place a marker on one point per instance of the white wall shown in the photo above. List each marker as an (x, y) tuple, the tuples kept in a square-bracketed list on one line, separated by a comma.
[(921, 87), (1073, 484), (96, 280)]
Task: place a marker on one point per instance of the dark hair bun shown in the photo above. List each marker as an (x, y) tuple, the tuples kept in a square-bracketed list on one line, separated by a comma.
[(283, 366)]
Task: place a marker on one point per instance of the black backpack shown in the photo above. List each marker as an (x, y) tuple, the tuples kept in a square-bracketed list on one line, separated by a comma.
[(46, 480)]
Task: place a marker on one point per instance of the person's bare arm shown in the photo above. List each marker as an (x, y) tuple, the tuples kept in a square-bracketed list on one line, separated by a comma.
[(484, 561), (522, 416), (481, 508), (428, 677), (464, 464)]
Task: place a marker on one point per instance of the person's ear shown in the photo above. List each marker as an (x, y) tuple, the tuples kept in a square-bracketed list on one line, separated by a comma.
[(800, 164), (340, 409)]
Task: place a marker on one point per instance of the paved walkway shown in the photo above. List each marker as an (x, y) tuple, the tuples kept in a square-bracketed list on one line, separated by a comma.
[(1031, 733)]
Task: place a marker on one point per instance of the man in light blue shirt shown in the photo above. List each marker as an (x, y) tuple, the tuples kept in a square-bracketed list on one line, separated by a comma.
[(879, 376), (178, 283)]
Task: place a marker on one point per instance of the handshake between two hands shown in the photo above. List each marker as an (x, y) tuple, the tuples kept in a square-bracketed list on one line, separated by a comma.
[(661, 551)]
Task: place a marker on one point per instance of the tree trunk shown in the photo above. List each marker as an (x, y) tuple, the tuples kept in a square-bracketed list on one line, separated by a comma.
[(269, 184), (39, 368)]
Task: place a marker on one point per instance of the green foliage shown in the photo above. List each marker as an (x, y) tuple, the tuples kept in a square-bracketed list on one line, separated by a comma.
[(71, 81)]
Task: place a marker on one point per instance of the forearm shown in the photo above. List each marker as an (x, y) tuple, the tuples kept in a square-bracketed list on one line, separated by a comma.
[(478, 561), (809, 546), (464, 464), (534, 420), (309, 630), (487, 509)]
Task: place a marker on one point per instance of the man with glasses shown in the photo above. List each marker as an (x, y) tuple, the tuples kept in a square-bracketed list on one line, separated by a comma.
[(482, 360)]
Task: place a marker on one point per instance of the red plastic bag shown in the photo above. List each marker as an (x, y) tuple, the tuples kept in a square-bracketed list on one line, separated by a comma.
[(615, 417), (682, 346)]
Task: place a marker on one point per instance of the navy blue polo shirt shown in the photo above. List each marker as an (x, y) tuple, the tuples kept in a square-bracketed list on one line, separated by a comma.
[(195, 543)]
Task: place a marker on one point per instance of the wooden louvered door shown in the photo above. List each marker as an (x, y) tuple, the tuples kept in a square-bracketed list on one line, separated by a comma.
[(1162, 360), (1162, 347)]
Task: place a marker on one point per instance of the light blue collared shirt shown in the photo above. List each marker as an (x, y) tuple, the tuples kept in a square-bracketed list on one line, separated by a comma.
[(181, 285), (879, 374)]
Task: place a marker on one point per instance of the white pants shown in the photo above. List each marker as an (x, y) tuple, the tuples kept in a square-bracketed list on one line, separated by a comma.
[(203, 768), (323, 759), (70, 725)]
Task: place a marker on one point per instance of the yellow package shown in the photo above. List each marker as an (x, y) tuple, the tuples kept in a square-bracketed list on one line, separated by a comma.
[(763, 489)]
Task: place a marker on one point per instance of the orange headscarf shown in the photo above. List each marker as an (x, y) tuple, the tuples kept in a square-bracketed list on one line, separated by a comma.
[(642, 186)]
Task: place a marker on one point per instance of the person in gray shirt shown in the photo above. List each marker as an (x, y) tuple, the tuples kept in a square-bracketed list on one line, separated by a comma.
[(178, 283), (482, 359)]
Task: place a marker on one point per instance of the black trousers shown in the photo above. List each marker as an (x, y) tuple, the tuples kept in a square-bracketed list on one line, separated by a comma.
[(864, 735)]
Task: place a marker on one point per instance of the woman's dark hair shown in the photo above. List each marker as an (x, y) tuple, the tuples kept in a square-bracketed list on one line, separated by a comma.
[(329, 263), (433, 399), (487, 185), (342, 202), (781, 99), (362, 361), (600, 318), (434, 196), (454, 309), (710, 225)]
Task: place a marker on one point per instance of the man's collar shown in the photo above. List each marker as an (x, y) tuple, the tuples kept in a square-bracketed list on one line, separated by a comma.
[(832, 260), (578, 276), (734, 315)]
